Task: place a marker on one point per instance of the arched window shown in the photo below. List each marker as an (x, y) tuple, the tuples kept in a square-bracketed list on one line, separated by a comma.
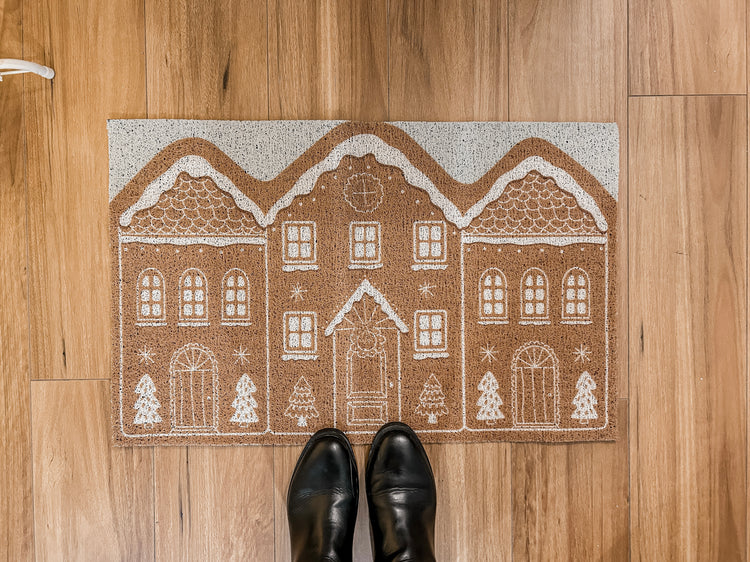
[(534, 297), (576, 296), (151, 297), (493, 297), (193, 297), (234, 309)]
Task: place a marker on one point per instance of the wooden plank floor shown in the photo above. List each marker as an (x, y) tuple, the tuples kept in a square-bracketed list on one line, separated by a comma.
[(672, 74)]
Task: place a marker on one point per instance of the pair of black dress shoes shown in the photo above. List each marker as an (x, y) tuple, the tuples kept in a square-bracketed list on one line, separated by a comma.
[(401, 496)]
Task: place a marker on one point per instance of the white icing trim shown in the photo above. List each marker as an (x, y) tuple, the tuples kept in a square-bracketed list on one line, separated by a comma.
[(528, 240), (359, 146), (197, 167), (300, 267), (365, 265), (300, 357), (218, 241), (425, 266), (366, 288), (420, 356)]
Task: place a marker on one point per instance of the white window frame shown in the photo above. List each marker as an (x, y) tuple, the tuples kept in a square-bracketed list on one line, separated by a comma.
[(431, 351), (149, 319), (493, 318), (430, 262), (235, 319), (292, 354), (299, 264), (534, 318), (576, 318), (193, 320), (365, 263)]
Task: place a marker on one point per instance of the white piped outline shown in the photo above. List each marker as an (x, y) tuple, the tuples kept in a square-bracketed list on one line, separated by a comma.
[(366, 288)]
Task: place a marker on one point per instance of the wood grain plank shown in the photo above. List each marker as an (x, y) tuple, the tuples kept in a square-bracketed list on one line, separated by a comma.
[(464, 78), (92, 501), (568, 63), (688, 327), (570, 502), (208, 61), (96, 48), (16, 508), (214, 503), (433, 78), (679, 47), (327, 59)]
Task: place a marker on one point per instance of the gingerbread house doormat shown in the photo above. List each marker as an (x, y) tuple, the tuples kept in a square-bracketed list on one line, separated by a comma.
[(274, 278)]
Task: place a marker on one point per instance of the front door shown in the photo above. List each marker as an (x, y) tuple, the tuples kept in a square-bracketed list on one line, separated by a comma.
[(536, 386), (367, 366), (193, 378)]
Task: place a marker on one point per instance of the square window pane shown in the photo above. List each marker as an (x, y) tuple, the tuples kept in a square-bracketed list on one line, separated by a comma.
[(305, 250), (370, 250), (305, 233), (570, 308), (437, 339), (145, 294), (487, 294), (528, 294), (156, 309), (582, 308), (199, 295), (498, 294), (145, 310), (292, 250), (528, 308), (199, 310), (436, 232), (424, 232), (581, 294), (498, 281), (293, 340), (241, 310), (187, 295), (230, 310), (424, 250), (292, 233), (307, 340), (437, 249), (241, 295), (293, 323), (306, 324), (424, 322), (359, 250), (229, 296), (156, 295), (371, 233), (487, 308), (437, 321), (570, 294), (499, 308), (540, 294), (540, 308), (359, 233), (424, 339), (187, 310)]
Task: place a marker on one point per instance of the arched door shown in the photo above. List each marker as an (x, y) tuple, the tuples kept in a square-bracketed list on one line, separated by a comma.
[(193, 383), (536, 392)]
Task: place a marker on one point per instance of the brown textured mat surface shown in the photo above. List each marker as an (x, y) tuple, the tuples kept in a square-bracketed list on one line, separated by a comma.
[(362, 284)]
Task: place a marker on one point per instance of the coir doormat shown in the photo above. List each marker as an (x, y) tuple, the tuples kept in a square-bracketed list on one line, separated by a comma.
[(274, 278)]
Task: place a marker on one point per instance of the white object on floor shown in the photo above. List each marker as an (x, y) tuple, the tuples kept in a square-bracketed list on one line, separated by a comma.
[(17, 66)]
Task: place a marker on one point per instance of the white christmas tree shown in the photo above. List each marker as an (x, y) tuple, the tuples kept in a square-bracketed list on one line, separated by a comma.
[(244, 404), (585, 400), (432, 400), (147, 404), (301, 403), (489, 401)]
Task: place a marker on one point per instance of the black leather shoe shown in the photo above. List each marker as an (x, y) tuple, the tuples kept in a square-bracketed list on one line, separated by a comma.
[(321, 503), (401, 496)]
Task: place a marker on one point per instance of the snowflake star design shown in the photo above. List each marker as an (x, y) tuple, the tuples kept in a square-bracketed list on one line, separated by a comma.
[(582, 353), (146, 354), (241, 355), (425, 289), (488, 353), (298, 293)]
